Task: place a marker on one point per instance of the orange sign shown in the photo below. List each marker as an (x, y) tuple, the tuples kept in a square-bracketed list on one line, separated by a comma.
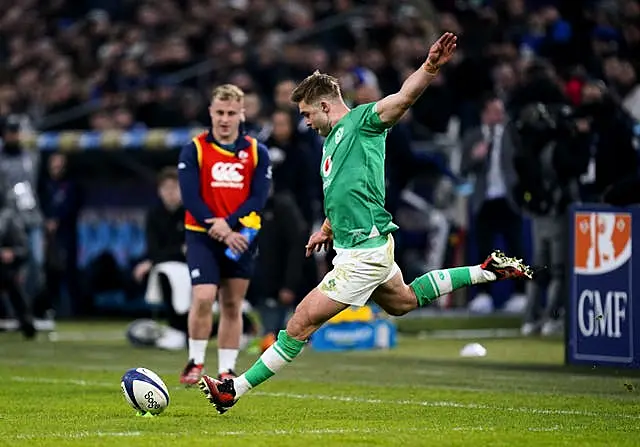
[(602, 242)]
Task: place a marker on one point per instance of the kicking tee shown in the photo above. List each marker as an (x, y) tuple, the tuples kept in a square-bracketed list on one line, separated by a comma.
[(353, 179)]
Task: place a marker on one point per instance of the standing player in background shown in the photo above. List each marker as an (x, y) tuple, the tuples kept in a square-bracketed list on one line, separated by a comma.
[(224, 176), (357, 224)]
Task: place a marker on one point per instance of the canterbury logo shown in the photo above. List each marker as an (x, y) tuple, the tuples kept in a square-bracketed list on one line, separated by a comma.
[(602, 242), (227, 175)]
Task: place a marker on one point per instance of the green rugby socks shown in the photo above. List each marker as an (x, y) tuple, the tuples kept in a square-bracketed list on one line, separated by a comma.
[(437, 283), (283, 351)]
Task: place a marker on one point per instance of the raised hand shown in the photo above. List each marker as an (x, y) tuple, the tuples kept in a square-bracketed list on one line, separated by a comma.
[(442, 51)]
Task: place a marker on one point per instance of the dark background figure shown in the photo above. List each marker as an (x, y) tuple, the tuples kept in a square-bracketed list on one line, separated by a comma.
[(623, 193), (553, 152), (165, 242), (295, 170), (613, 156), (61, 201), (292, 163), (13, 255), (281, 256), (19, 169), (488, 152)]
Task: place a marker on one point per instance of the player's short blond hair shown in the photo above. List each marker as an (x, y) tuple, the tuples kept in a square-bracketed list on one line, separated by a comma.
[(315, 87), (227, 92)]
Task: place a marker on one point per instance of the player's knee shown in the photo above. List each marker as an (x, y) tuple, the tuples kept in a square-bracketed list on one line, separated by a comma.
[(203, 297), (230, 308)]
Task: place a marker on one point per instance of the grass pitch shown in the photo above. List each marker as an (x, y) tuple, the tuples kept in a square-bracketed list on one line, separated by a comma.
[(67, 393)]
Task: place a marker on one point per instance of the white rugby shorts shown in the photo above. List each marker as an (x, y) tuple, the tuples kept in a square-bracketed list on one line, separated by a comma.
[(357, 273)]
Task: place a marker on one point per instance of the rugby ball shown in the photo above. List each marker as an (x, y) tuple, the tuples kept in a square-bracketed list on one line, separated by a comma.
[(145, 391)]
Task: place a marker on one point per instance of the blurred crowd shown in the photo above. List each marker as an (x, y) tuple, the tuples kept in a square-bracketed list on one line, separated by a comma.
[(118, 55), (537, 110)]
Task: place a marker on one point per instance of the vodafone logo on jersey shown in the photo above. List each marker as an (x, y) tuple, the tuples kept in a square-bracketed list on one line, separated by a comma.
[(602, 242), (326, 166), (227, 175)]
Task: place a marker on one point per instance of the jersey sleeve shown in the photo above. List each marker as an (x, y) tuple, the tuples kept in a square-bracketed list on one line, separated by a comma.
[(367, 118), (189, 179)]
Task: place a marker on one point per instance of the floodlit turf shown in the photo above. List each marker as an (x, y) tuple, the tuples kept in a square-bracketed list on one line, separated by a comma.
[(421, 394)]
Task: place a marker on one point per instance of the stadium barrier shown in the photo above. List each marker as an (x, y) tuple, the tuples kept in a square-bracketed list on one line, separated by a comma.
[(604, 268), (148, 139), (356, 329)]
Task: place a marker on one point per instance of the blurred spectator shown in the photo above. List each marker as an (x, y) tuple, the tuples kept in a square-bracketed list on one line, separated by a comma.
[(193, 111), (291, 161), (624, 193), (505, 80), (628, 89), (60, 197), (553, 153), (64, 95), (282, 101), (124, 54), (306, 138), (19, 169), (13, 254), (433, 111), (255, 123), (279, 269), (488, 153), (65, 53), (162, 107), (165, 264), (613, 155), (124, 120)]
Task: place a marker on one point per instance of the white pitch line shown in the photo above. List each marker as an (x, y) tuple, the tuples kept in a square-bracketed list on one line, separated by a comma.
[(472, 429), (61, 381), (361, 400), (110, 367), (274, 433), (447, 404), (80, 434), (545, 429)]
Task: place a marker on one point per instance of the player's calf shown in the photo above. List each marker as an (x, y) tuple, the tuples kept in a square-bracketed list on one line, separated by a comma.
[(496, 267), (395, 297)]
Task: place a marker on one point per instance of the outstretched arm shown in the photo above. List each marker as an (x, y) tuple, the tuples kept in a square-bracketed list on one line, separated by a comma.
[(391, 108)]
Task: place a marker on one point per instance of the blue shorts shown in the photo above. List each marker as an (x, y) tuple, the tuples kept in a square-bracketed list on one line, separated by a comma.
[(208, 263)]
